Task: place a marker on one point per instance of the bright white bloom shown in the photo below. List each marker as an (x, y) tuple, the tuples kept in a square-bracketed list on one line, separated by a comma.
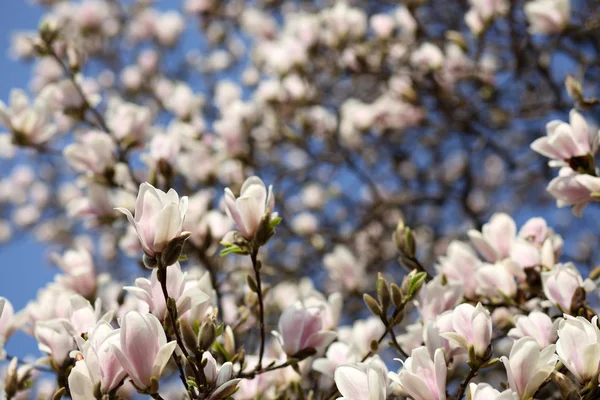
[(578, 346), (364, 381), (484, 391), (472, 327)]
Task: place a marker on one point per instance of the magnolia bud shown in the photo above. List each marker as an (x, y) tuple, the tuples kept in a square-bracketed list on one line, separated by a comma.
[(207, 335), (574, 88), (48, 30), (188, 334), (383, 292), (229, 340), (372, 305), (173, 251), (567, 388), (396, 295)]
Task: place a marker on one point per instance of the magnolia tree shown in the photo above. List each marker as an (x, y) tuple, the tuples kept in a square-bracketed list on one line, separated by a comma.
[(380, 261)]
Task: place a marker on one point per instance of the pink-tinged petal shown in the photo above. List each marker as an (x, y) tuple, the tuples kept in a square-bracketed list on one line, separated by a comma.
[(139, 343), (500, 233), (225, 388), (162, 358), (525, 253), (580, 130), (131, 371), (456, 338), (320, 340), (542, 146), (80, 384), (441, 372), (233, 212), (352, 382), (482, 245)]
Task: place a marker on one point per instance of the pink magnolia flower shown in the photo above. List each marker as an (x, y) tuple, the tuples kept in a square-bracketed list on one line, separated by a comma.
[(248, 210), (489, 8), (537, 325), (563, 140), (435, 298), (93, 154), (578, 346), (33, 122), (433, 340), (459, 265), (54, 339), (222, 377), (143, 351), (99, 366), (495, 281), (572, 189), (80, 274), (423, 378), (547, 16), (496, 237), (527, 367), (472, 327), (149, 291), (337, 354), (158, 217), (560, 284), (364, 381), (345, 268), (302, 328), (7, 324), (483, 391)]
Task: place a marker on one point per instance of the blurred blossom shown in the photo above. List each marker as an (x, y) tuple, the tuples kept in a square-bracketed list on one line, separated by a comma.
[(344, 267), (547, 16)]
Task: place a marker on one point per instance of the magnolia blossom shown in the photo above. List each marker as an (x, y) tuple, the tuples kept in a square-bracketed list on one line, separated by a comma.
[(29, 123), (222, 376), (548, 16), (496, 237), (472, 327), (55, 340), (566, 140), (561, 284), (143, 351), (94, 153), (344, 267), (99, 365), (484, 391), (7, 324), (301, 328), (421, 377), (363, 381), (578, 346), (150, 292), (459, 265), (79, 272), (158, 217), (435, 298), (495, 281), (337, 354), (248, 210), (527, 367), (572, 189), (537, 325)]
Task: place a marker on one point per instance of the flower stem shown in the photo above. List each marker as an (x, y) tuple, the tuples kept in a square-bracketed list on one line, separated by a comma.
[(261, 307), (463, 385)]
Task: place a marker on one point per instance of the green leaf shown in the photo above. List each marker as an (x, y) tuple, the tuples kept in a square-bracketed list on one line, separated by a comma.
[(217, 346), (416, 282), (231, 249), (274, 222), (182, 257)]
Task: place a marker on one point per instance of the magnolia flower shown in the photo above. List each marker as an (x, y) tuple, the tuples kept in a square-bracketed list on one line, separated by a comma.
[(158, 217), (364, 381), (566, 140), (562, 283), (301, 328), (337, 354), (547, 16), (537, 325), (578, 346), (54, 339), (459, 265), (94, 153), (421, 377), (495, 281), (527, 367), (225, 386), (7, 324), (435, 298), (428, 57), (78, 267), (344, 267), (496, 237), (28, 123), (484, 391), (248, 210), (472, 327), (143, 351), (572, 189), (99, 365), (150, 292)]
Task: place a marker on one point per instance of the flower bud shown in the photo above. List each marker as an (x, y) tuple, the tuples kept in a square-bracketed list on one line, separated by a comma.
[(207, 335), (173, 251), (48, 30), (372, 304), (574, 88)]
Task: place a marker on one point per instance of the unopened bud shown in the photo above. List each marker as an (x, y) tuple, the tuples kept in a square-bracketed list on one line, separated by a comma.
[(252, 283), (229, 340), (383, 292), (149, 261), (567, 388), (574, 88), (73, 58), (48, 30), (188, 334), (396, 296), (207, 335), (577, 300), (595, 274), (372, 305), (173, 251), (405, 240), (264, 231), (59, 393), (374, 346)]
